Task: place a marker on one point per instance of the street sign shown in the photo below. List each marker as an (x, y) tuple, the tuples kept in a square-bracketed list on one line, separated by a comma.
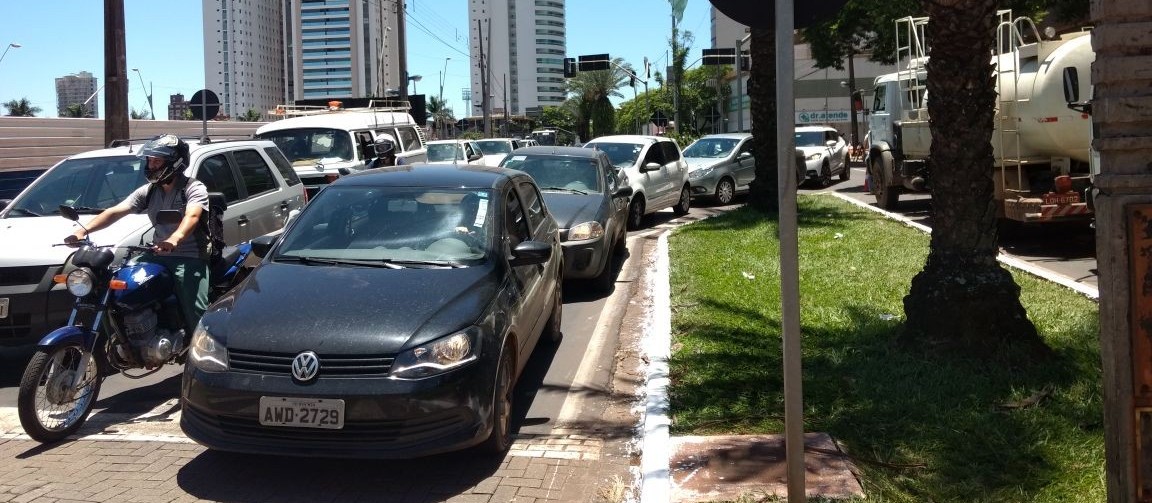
[(659, 119), (754, 15), (720, 56), (204, 105), (594, 62)]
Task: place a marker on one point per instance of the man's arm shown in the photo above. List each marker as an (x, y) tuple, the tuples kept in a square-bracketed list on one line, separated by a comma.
[(104, 219), (192, 216)]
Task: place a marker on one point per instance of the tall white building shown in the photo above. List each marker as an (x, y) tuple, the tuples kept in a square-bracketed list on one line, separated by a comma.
[(261, 53), (74, 89), (524, 44)]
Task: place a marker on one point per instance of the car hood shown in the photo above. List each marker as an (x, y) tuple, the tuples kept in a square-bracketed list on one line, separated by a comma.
[(572, 209), (695, 163), (288, 308), (28, 240)]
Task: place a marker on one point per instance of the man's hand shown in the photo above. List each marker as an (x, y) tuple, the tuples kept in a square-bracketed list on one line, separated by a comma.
[(166, 246), (73, 240)]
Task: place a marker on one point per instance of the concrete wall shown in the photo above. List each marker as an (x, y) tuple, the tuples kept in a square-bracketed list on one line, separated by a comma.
[(37, 142)]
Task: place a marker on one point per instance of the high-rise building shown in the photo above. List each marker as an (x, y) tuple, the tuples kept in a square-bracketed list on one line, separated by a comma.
[(76, 89), (261, 53), (177, 107), (523, 43)]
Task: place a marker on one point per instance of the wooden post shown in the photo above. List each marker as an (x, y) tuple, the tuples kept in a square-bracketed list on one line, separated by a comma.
[(115, 73), (1122, 116)]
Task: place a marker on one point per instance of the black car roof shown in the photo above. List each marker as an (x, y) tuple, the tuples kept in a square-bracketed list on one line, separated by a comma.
[(549, 150), (431, 175)]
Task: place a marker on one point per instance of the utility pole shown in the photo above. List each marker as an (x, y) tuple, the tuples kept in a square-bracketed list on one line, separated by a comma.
[(401, 49), (676, 75), (504, 131), (115, 73), (485, 101), (852, 96)]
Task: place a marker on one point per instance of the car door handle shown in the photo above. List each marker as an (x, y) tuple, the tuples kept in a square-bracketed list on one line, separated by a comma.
[(284, 206), (242, 221)]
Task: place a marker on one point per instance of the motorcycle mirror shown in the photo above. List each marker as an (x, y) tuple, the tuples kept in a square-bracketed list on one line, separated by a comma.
[(169, 217), (69, 212)]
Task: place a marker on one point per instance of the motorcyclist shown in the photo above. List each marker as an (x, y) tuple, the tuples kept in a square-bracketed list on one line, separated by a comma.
[(385, 149), (182, 248)]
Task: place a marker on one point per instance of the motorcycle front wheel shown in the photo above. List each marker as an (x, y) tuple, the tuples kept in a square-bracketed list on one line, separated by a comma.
[(56, 395)]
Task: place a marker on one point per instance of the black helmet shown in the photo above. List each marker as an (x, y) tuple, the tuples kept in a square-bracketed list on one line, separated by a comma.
[(172, 150), (385, 144)]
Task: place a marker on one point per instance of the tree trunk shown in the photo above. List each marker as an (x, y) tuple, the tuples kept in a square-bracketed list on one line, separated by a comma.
[(763, 193), (964, 299)]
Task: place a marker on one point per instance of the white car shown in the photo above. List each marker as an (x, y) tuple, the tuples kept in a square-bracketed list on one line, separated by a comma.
[(454, 152), (496, 148), (825, 154), (655, 169)]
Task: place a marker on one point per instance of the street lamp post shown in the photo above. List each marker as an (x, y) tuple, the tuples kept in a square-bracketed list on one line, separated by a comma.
[(414, 79), (10, 46), (146, 93), (440, 98)]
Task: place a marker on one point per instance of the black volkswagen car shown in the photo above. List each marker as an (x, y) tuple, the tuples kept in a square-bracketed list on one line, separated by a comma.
[(585, 195), (390, 320)]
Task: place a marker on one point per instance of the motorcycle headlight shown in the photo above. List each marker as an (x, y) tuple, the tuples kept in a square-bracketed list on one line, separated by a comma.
[(79, 282), (814, 157), (436, 357), (586, 230), (206, 352), (701, 173)]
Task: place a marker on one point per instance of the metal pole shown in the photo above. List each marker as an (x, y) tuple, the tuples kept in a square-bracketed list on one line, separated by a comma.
[(740, 91), (852, 97), (402, 50), (789, 253)]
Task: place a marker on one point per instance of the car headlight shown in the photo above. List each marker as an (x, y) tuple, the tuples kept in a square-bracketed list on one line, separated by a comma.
[(436, 357), (814, 157), (586, 230), (701, 173), (79, 282), (206, 352)]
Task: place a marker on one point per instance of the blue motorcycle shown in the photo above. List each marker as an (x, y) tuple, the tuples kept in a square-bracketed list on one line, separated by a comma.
[(125, 318)]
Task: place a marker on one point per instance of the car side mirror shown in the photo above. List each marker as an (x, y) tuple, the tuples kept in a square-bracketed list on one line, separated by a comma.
[(652, 166), (625, 191), (69, 212), (530, 253), (744, 155), (830, 143), (262, 244), (4, 203), (474, 157)]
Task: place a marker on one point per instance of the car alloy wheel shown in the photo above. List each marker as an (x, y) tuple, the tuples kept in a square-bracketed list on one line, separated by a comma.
[(636, 213), (825, 175), (846, 173), (685, 202), (725, 191), (500, 440)]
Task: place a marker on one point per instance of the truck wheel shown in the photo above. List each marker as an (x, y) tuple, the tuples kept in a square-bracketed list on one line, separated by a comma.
[(886, 195)]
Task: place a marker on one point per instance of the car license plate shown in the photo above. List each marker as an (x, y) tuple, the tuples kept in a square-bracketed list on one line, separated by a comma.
[(3, 307), (1065, 198), (302, 412)]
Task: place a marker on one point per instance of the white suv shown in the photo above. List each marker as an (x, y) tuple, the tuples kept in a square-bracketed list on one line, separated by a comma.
[(257, 181), (655, 169)]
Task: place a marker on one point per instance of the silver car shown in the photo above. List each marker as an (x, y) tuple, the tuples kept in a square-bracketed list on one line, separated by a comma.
[(825, 154), (720, 165)]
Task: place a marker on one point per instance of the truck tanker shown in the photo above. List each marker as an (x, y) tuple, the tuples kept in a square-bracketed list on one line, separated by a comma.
[(1042, 144)]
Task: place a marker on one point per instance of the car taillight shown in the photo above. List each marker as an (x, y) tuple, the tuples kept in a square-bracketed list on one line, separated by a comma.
[(1063, 184)]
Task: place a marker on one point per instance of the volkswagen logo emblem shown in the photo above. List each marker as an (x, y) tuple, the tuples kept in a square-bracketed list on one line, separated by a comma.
[(305, 366)]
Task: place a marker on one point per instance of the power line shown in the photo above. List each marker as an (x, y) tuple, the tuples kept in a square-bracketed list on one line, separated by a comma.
[(437, 37)]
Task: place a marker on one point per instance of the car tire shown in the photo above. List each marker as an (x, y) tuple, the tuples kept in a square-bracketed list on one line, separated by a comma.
[(825, 175), (725, 191), (500, 439), (636, 213), (552, 333), (685, 202), (846, 173)]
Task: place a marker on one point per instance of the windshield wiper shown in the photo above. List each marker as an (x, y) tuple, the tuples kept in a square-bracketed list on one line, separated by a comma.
[(334, 261), (25, 212), (566, 189), (428, 263), (87, 210)]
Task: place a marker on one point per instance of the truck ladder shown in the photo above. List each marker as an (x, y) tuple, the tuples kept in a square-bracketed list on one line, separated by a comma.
[(1008, 54), (912, 55)]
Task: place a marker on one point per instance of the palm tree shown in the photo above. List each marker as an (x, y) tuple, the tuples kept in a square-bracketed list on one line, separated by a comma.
[(763, 193), (964, 299), (75, 110), (441, 114), (137, 115), (21, 108), (591, 90), (250, 116)]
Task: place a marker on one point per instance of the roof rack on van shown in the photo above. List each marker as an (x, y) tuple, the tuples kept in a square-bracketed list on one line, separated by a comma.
[(121, 142), (285, 111)]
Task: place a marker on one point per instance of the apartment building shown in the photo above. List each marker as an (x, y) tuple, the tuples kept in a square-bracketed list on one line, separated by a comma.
[(76, 89), (523, 43)]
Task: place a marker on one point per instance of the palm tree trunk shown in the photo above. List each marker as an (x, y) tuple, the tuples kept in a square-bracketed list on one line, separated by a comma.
[(964, 299), (763, 193)]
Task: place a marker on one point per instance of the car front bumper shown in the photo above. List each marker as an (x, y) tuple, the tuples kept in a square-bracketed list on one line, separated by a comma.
[(704, 186), (585, 259), (384, 418), (33, 310)]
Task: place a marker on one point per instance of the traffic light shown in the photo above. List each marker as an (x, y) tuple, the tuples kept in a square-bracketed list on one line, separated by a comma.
[(569, 67), (631, 81)]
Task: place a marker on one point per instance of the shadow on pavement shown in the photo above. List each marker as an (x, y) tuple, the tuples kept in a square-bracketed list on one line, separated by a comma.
[(12, 363)]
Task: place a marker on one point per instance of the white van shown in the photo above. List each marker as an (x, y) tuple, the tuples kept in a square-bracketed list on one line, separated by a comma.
[(320, 141)]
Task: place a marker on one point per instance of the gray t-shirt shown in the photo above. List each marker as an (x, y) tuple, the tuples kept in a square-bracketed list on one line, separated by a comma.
[(194, 193)]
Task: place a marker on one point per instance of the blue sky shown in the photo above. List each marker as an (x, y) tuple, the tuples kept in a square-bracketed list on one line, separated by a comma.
[(165, 42)]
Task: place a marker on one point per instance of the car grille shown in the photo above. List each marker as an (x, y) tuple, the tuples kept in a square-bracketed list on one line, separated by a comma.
[(330, 365), (16, 326), (26, 275), (398, 432)]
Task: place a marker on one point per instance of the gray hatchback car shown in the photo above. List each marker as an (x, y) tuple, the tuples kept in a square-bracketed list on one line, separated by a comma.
[(720, 166)]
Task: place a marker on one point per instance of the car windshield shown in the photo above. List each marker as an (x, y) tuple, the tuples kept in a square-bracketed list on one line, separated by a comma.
[(710, 147), (392, 225), (305, 146), (809, 138), (444, 152), (558, 173), (622, 155), (88, 184), (494, 146)]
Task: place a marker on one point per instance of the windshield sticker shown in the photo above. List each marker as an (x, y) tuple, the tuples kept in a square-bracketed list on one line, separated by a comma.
[(517, 158), (481, 212)]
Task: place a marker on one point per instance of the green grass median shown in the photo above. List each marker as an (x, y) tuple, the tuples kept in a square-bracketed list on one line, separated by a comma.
[(919, 427)]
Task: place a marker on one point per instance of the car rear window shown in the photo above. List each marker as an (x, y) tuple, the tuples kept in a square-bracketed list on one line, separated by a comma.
[(283, 166)]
